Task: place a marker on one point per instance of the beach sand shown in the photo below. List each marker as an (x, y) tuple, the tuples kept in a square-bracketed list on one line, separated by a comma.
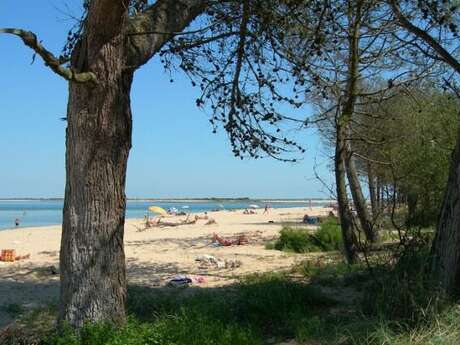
[(153, 256)]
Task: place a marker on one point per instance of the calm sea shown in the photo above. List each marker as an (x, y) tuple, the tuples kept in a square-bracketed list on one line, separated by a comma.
[(49, 212)]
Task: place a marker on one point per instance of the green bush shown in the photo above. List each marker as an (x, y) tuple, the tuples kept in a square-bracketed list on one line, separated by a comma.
[(295, 240), (327, 238), (329, 235)]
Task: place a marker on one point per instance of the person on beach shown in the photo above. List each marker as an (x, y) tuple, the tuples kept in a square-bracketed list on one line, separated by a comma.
[(266, 209), (240, 240), (17, 222)]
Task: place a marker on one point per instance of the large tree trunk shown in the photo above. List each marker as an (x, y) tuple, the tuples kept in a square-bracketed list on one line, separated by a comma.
[(92, 261), (93, 284), (446, 245), (358, 199)]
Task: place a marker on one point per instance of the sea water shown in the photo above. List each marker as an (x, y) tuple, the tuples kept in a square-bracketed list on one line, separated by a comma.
[(49, 212)]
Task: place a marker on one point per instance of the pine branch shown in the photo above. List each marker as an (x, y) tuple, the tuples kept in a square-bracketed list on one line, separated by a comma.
[(30, 40)]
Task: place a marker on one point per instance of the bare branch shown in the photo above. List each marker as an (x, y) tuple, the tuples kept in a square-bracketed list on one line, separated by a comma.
[(426, 37), (30, 40)]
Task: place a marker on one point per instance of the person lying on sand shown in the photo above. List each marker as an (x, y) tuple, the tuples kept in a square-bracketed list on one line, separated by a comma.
[(240, 240), (210, 221), (149, 223)]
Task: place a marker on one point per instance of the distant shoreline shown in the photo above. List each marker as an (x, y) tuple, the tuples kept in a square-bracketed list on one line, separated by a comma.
[(263, 200)]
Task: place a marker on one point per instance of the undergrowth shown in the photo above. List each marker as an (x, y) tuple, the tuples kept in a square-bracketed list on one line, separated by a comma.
[(397, 304), (261, 307), (327, 238)]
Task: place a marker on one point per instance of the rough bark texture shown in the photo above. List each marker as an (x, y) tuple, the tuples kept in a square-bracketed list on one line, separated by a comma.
[(92, 262), (149, 31), (93, 284), (359, 201), (446, 245)]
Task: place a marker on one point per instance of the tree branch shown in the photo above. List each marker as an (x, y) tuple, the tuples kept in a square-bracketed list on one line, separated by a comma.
[(30, 40), (426, 37), (162, 21)]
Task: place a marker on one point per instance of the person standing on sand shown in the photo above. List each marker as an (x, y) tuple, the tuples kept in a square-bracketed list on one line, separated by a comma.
[(266, 209), (17, 222)]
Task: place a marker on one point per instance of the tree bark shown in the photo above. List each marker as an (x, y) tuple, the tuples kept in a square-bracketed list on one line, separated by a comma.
[(372, 191), (92, 261), (446, 245), (358, 199), (346, 218)]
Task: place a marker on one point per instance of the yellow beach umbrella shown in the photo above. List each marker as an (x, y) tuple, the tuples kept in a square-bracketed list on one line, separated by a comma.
[(158, 209)]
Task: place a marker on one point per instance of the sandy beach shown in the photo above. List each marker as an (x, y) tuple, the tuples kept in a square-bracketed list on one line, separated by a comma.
[(153, 256)]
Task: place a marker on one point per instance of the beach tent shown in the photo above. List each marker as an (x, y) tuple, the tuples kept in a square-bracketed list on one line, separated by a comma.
[(158, 209)]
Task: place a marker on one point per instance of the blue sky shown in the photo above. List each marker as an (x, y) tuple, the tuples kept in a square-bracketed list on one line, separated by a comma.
[(174, 152)]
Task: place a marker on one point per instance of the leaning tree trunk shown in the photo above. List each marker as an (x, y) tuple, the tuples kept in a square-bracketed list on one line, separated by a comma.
[(446, 245), (358, 198), (346, 218), (92, 261)]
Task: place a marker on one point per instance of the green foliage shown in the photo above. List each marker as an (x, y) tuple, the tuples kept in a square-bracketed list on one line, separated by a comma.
[(270, 245), (329, 235), (327, 238), (275, 304), (295, 240), (416, 132), (444, 329), (404, 291), (269, 305), (333, 273)]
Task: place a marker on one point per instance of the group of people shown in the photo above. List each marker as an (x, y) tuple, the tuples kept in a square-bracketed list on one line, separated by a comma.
[(251, 211)]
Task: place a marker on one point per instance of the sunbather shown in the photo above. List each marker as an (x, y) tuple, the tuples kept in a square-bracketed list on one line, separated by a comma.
[(240, 240)]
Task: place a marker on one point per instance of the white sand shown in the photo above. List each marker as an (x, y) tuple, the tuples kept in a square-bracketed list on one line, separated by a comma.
[(152, 256)]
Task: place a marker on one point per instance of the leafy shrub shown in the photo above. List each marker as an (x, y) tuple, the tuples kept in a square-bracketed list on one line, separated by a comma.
[(329, 235), (327, 238), (295, 240)]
